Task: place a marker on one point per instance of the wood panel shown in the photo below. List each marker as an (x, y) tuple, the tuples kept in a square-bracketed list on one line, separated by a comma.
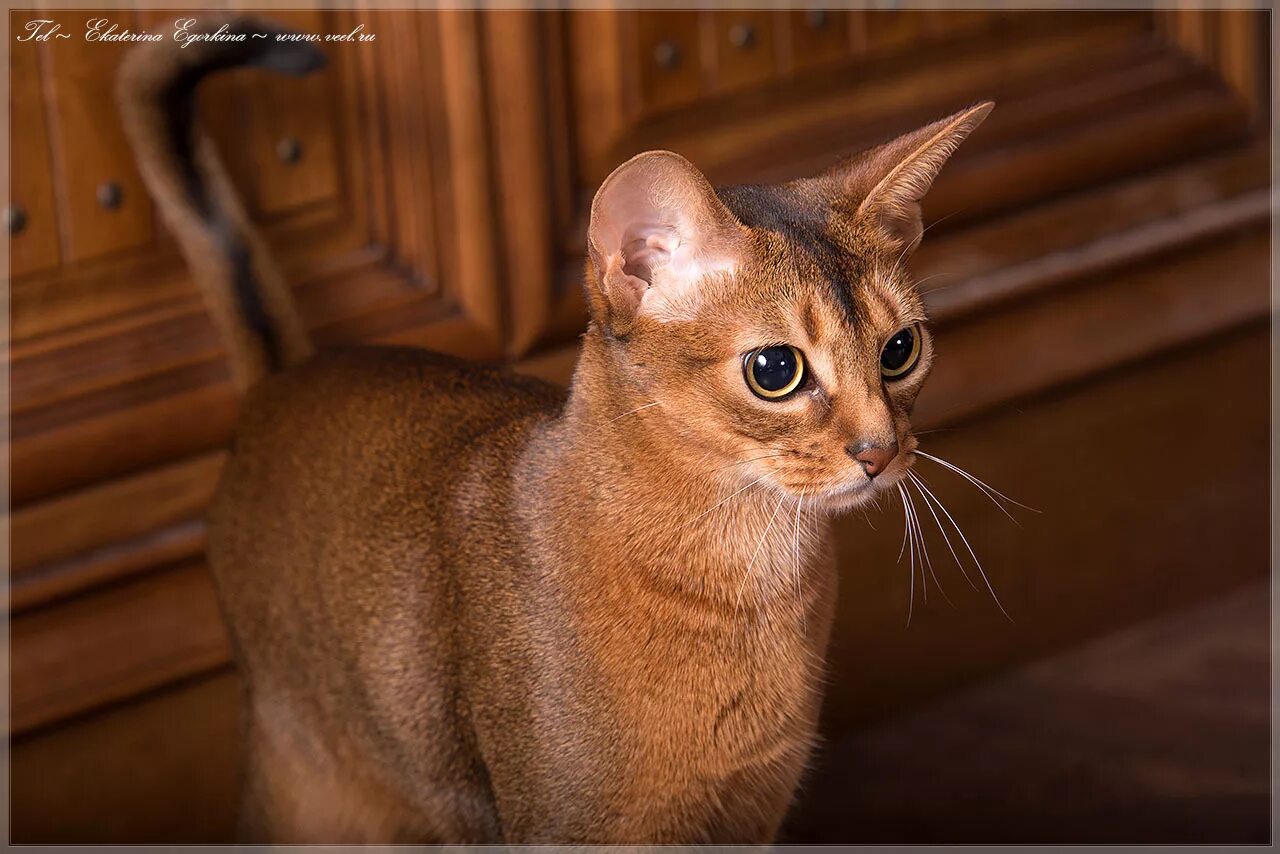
[(518, 113), (103, 205), (117, 644), (1084, 100), (741, 48), (817, 37), (31, 211), (296, 122), (666, 59), (892, 29), (97, 359), (108, 531)]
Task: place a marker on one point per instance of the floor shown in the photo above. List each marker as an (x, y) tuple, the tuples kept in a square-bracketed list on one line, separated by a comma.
[(1160, 734)]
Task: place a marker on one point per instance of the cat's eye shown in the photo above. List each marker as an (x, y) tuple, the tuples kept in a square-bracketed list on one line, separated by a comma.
[(901, 353), (774, 372)]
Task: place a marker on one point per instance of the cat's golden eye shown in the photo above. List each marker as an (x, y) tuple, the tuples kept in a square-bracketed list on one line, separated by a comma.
[(774, 372), (901, 353)]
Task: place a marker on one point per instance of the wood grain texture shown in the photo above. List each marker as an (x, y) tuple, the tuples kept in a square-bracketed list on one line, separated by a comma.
[(470, 186), (101, 344), (110, 530), (117, 644)]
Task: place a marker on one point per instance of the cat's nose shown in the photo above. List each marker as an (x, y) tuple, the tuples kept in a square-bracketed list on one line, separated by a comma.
[(873, 458)]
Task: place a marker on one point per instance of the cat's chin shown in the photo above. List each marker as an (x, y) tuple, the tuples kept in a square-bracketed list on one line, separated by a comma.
[(849, 496)]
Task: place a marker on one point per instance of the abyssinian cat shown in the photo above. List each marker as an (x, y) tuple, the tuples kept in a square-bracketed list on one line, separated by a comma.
[(471, 607)]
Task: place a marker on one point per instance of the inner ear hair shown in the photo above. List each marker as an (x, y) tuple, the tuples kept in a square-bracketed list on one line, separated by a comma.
[(657, 227), (891, 180)]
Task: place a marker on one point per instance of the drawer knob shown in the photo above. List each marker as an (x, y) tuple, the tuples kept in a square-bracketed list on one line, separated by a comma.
[(15, 220), (816, 19), (667, 55), (742, 36), (110, 195), (289, 150)]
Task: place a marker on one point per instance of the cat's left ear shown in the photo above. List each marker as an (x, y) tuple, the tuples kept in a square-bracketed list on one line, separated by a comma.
[(883, 187)]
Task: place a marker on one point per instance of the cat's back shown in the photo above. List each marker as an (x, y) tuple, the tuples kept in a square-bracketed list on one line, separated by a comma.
[(345, 478), (362, 432), (390, 394), (376, 418)]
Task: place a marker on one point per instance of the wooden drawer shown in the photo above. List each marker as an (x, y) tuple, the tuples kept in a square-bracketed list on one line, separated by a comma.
[(104, 207), (818, 37), (33, 231), (667, 60), (294, 132), (742, 51)]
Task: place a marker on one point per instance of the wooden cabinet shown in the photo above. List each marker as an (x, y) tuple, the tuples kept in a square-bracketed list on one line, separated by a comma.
[(431, 188)]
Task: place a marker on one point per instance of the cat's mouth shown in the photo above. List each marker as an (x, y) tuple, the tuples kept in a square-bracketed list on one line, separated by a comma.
[(862, 489)]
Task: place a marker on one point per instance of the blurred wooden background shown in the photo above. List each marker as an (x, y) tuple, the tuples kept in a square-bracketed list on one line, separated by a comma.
[(1097, 270)]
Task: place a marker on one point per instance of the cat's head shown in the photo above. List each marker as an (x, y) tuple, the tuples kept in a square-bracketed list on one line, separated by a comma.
[(773, 329)]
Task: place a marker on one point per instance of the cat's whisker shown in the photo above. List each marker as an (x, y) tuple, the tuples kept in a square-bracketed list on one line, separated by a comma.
[(927, 494), (914, 521), (747, 574), (976, 562), (722, 501), (795, 572), (923, 545), (911, 593), (623, 415), (918, 282), (749, 460), (988, 490), (902, 548)]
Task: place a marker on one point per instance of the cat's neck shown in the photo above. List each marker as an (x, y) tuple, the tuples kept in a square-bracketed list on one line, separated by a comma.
[(666, 506)]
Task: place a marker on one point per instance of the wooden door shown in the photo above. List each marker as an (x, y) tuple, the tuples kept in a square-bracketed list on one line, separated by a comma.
[(370, 180)]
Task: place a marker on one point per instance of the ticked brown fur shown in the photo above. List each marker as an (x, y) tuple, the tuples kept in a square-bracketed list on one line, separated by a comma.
[(472, 607)]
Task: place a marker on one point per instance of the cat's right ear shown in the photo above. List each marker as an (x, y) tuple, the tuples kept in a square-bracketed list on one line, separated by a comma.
[(657, 229)]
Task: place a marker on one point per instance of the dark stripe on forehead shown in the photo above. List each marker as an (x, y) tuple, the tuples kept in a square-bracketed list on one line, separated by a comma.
[(839, 270), (802, 223), (887, 302)]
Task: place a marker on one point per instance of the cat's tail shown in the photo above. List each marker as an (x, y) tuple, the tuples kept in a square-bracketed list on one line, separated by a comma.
[(247, 296)]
